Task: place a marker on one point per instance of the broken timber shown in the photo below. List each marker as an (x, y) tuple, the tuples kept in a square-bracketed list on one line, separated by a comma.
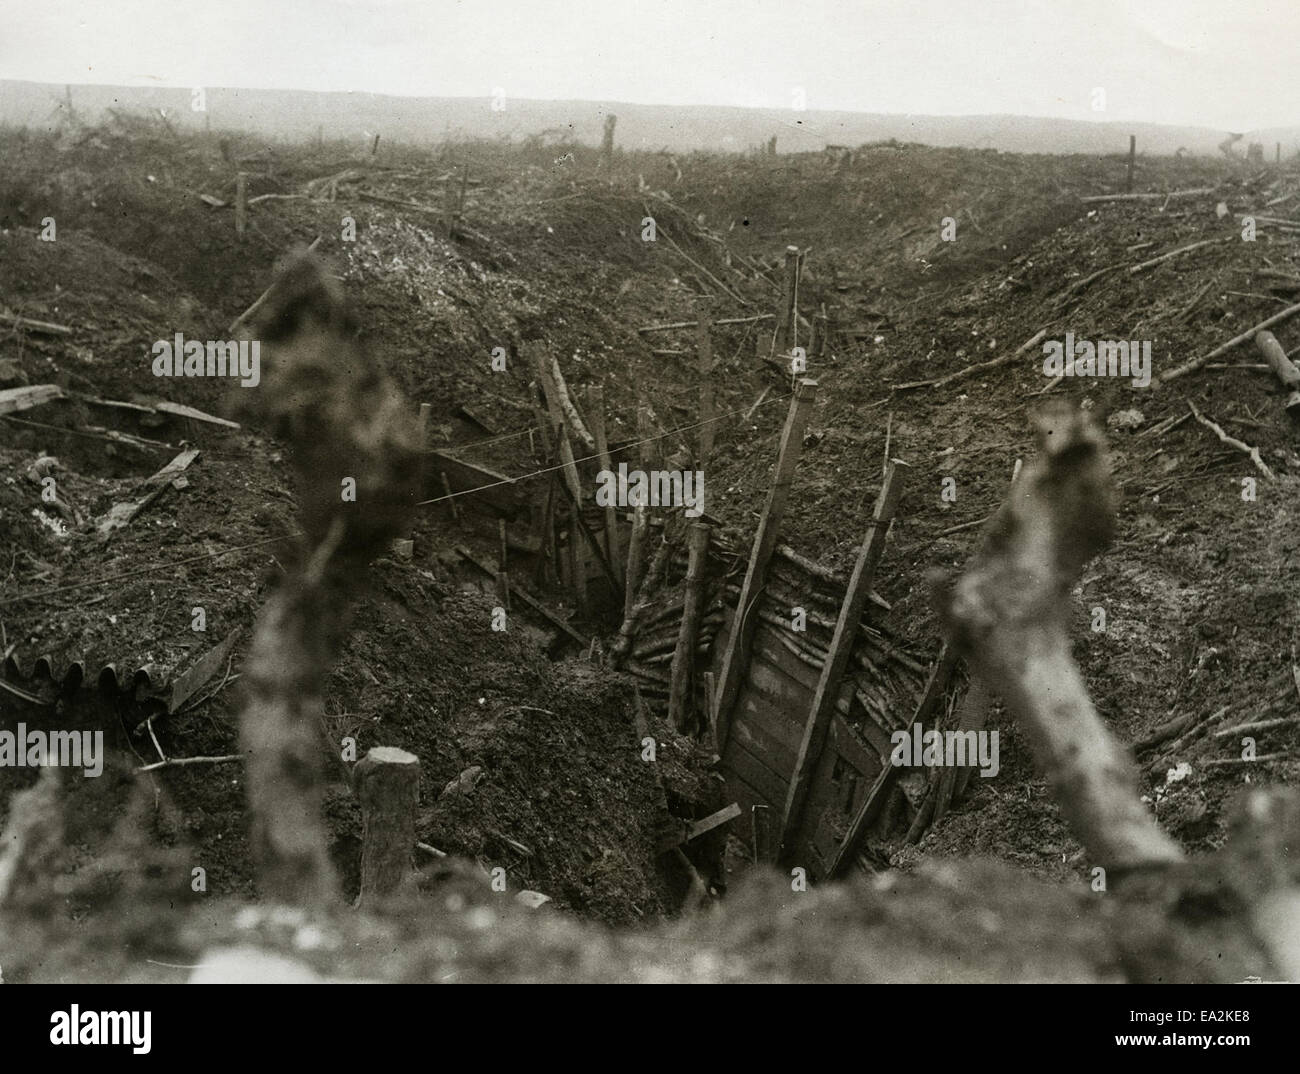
[(837, 660), (26, 324), (695, 324), (700, 827), (1282, 367), (123, 514), (737, 653), (15, 399)]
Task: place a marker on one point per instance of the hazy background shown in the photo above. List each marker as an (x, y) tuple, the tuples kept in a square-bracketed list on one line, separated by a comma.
[(1205, 67)]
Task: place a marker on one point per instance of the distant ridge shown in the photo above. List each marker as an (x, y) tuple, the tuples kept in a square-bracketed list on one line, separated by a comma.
[(298, 114)]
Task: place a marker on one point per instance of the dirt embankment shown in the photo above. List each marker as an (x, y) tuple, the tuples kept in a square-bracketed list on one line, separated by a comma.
[(1194, 592)]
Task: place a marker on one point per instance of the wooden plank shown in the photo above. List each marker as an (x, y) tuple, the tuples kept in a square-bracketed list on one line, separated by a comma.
[(183, 411), (493, 486), (184, 686), (754, 772), (846, 630), (123, 514), (848, 744), (762, 743), (13, 400), (737, 653), (875, 798), (706, 824)]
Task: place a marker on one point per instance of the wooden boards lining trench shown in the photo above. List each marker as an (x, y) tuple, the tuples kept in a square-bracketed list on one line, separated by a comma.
[(767, 727)]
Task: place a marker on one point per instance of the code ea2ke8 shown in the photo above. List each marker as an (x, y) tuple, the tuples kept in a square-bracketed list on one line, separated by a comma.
[(1225, 1016)]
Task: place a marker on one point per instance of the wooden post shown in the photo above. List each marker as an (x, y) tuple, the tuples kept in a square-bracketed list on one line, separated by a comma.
[(837, 659), (737, 655), (505, 548), (679, 693), (450, 496), (1277, 156), (704, 350), (556, 415), (875, 797), (464, 190), (635, 557), (387, 782), (241, 203), (449, 206), (607, 142), (710, 701), (550, 566), (596, 416), (640, 520), (426, 411), (1132, 162), (577, 569), (543, 423), (374, 146), (784, 335)]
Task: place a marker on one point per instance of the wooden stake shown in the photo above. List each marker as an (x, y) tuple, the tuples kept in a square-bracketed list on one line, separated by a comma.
[(785, 319), (607, 142), (1132, 162), (704, 350), (595, 400), (556, 414), (501, 532), (387, 782), (577, 568), (679, 694), (737, 655), (451, 499), (241, 203), (710, 702), (837, 659)]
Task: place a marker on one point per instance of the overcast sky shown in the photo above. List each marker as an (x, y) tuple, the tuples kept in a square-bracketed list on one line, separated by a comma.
[(1226, 64)]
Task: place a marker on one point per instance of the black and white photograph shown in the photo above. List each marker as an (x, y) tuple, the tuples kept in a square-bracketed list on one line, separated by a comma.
[(650, 491)]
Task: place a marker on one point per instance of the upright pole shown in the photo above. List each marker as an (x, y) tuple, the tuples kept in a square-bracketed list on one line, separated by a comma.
[(704, 349), (736, 657), (679, 693), (837, 659), (241, 203)]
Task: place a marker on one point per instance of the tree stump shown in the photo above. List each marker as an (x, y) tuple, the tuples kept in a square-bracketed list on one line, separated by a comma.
[(387, 782)]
